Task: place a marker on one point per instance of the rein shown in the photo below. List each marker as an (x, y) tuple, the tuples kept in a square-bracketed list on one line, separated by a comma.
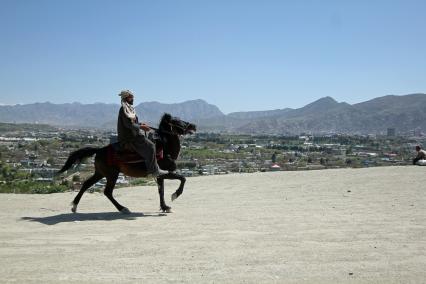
[(162, 131)]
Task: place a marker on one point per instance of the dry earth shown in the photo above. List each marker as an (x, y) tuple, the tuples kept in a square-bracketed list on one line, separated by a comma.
[(329, 226)]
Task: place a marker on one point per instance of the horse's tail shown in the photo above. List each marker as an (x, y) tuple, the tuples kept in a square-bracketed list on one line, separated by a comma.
[(77, 156)]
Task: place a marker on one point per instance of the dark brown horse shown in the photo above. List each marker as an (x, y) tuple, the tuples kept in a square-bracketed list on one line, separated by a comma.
[(108, 163)]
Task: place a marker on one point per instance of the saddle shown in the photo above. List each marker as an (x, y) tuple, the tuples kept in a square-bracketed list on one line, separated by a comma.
[(118, 155)]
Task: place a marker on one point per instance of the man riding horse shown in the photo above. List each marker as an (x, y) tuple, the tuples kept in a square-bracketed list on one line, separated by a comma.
[(131, 137), (110, 160)]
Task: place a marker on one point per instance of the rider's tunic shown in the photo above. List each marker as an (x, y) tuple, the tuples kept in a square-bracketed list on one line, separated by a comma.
[(130, 137)]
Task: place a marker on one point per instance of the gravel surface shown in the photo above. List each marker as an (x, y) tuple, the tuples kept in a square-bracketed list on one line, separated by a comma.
[(328, 226)]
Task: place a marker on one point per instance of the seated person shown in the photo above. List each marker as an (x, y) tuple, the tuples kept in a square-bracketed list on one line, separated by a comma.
[(421, 155)]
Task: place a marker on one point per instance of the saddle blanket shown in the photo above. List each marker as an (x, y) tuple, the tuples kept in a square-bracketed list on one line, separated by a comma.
[(116, 156)]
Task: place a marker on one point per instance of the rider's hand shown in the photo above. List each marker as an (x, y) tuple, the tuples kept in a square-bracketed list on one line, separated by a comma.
[(144, 127)]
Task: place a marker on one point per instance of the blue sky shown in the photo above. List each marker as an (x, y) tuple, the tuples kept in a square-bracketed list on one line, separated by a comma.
[(238, 55)]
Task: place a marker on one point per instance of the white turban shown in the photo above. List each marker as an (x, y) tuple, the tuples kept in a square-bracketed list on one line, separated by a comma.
[(125, 93)]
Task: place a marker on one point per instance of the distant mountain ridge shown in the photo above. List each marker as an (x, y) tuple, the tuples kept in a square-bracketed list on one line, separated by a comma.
[(328, 116), (325, 115), (188, 110), (102, 115)]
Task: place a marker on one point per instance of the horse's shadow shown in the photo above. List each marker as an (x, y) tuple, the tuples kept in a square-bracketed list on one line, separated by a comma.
[(79, 217)]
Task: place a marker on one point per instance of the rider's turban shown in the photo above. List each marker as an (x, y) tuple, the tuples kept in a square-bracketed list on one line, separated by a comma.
[(125, 93)]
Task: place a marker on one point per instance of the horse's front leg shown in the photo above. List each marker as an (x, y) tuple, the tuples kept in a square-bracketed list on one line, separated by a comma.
[(179, 191), (170, 164), (182, 179), (163, 205)]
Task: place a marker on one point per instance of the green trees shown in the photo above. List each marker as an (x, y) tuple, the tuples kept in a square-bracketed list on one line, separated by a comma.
[(14, 181), (31, 187)]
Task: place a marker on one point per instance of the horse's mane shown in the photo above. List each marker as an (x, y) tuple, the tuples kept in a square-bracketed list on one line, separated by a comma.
[(165, 119)]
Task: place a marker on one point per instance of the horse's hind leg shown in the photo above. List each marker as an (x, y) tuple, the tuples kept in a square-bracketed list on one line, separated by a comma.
[(87, 184), (111, 180)]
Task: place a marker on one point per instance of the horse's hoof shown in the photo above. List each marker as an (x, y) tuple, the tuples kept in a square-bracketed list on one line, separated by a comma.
[(174, 196), (125, 210), (74, 207), (167, 210)]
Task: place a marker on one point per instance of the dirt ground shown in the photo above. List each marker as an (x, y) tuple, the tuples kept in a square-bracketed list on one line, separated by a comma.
[(329, 226)]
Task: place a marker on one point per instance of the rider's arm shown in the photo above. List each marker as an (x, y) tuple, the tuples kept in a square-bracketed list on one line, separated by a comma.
[(145, 127)]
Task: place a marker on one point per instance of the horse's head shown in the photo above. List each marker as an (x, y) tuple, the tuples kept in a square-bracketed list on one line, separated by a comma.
[(176, 125)]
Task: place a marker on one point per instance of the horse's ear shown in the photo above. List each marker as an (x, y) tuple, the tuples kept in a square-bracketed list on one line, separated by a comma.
[(167, 116)]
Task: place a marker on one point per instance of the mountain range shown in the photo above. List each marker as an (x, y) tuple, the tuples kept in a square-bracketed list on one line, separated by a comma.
[(325, 115)]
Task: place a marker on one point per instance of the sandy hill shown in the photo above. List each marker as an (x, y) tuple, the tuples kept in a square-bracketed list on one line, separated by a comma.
[(330, 226)]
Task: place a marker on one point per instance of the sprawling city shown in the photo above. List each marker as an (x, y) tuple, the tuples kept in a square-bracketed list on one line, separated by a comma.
[(31, 155)]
